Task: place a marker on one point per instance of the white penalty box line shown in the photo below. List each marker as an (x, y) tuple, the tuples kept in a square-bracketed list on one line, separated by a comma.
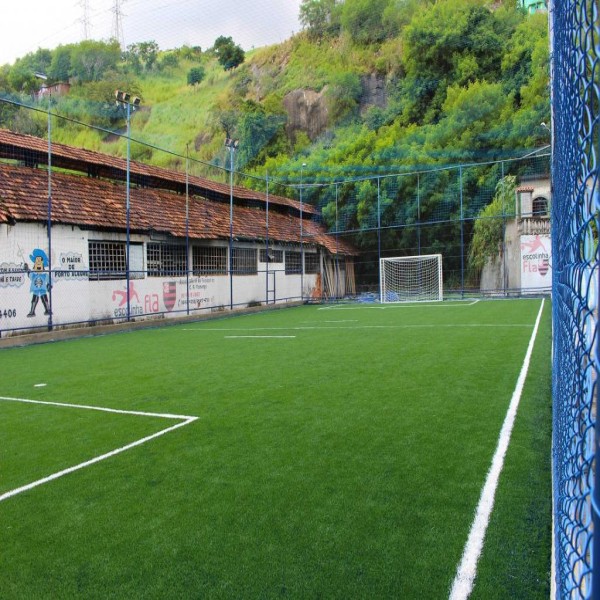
[(184, 420)]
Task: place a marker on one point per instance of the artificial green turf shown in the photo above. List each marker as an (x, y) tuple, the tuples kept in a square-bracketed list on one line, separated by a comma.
[(516, 559), (38, 440), (344, 462)]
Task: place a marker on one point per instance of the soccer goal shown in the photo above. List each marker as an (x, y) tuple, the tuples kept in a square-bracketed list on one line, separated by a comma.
[(411, 278)]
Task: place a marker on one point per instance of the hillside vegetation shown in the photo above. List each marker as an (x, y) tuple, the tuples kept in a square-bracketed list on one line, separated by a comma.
[(394, 82), (368, 87)]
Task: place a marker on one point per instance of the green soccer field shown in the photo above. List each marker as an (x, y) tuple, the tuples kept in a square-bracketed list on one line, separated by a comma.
[(338, 452)]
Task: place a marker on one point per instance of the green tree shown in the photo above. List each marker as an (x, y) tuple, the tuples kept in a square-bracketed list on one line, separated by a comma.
[(489, 226), (320, 18), (456, 41), (363, 20), (256, 128), (142, 55), (21, 77), (228, 53), (60, 67), (195, 75), (90, 60), (343, 95)]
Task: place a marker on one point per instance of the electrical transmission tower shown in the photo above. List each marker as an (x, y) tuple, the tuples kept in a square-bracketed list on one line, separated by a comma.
[(118, 22), (85, 19)]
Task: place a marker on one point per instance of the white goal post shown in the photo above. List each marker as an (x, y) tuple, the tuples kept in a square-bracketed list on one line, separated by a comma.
[(411, 278)]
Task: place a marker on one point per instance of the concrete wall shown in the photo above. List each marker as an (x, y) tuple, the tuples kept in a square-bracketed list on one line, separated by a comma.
[(77, 298)]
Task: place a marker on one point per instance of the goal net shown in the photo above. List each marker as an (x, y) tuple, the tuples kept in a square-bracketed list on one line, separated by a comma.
[(411, 278)]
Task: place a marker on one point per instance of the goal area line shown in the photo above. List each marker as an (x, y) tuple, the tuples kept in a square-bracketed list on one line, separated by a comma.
[(395, 305), (183, 421)]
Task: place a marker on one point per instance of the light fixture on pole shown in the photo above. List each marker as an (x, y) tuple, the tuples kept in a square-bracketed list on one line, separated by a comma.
[(232, 145), (44, 77), (130, 104), (301, 234)]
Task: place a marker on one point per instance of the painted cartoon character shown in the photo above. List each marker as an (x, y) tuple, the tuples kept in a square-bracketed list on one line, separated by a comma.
[(39, 281)]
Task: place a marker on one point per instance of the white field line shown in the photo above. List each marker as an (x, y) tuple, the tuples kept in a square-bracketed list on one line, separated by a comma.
[(324, 321), (352, 327), (467, 569), (261, 337), (391, 305), (185, 420)]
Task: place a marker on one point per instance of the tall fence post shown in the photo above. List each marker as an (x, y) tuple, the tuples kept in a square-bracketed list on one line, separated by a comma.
[(504, 269), (337, 229), (187, 228), (50, 283), (419, 213), (267, 259), (462, 236), (379, 230)]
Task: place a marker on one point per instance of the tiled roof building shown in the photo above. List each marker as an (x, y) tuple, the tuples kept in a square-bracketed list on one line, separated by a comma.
[(176, 224)]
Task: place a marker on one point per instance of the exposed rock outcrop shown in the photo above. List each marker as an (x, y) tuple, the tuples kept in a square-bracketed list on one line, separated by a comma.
[(373, 91), (307, 111)]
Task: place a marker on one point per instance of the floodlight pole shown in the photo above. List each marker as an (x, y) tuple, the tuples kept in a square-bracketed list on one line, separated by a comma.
[(49, 208), (124, 99), (268, 260), (232, 145)]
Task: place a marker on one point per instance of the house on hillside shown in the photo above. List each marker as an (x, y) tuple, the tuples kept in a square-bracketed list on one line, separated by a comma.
[(525, 266), (532, 6), (80, 247), (55, 90)]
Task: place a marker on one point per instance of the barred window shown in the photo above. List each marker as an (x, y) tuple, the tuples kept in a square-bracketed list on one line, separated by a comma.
[(540, 207), (293, 262), (166, 259), (108, 260), (275, 256), (209, 260), (244, 261), (311, 263)]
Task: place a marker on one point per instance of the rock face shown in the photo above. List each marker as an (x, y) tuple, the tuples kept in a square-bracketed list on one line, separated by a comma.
[(373, 91), (307, 111)]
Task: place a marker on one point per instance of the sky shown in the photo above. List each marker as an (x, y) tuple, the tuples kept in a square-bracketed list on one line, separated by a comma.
[(27, 26)]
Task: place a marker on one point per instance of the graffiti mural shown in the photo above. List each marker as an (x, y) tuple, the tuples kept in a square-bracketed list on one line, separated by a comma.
[(39, 281)]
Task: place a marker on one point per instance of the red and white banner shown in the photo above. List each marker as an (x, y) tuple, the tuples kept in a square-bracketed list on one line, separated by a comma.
[(536, 262)]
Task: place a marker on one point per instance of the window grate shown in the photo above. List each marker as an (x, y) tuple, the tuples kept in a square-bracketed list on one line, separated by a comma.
[(209, 260)]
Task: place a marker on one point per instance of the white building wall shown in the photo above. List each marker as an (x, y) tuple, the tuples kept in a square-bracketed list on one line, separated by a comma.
[(78, 299)]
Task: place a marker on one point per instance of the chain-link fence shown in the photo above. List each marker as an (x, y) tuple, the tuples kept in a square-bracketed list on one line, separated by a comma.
[(575, 29), (118, 236), (489, 221)]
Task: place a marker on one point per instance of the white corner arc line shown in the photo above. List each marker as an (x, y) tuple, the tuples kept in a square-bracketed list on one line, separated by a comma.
[(186, 420), (467, 568)]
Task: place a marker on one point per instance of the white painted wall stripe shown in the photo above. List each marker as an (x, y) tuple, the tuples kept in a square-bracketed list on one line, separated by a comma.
[(467, 568)]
